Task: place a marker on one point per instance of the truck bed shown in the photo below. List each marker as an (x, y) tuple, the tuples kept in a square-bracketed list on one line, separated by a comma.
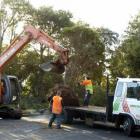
[(94, 113), (90, 109)]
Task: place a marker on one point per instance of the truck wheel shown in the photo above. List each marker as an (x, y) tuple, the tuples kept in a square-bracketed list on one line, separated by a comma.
[(117, 123), (67, 117), (89, 122), (128, 127)]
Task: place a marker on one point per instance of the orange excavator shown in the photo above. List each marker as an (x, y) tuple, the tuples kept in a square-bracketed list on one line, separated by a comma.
[(9, 85)]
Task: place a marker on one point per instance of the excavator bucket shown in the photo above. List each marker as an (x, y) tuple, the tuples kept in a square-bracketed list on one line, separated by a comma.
[(53, 67)]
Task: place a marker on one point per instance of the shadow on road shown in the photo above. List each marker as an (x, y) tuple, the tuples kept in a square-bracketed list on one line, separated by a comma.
[(108, 128), (36, 128)]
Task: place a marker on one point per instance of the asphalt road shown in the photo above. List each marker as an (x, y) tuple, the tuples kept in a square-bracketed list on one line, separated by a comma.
[(35, 128)]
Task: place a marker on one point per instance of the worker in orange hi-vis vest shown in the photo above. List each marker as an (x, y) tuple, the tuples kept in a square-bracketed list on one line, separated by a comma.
[(56, 110), (88, 90)]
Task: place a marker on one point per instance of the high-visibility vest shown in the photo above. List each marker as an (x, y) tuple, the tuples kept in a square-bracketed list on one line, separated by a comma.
[(57, 105), (88, 85)]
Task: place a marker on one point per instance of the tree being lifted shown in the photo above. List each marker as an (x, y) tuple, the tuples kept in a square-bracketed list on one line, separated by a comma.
[(69, 97)]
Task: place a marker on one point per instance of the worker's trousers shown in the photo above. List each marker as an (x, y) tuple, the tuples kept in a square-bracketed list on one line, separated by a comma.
[(87, 99), (57, 118)]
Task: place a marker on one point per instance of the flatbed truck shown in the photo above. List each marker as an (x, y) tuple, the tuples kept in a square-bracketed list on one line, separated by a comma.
[(122, 108)]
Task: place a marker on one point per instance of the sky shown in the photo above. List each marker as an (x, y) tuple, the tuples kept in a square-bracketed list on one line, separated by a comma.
[(112, 14)]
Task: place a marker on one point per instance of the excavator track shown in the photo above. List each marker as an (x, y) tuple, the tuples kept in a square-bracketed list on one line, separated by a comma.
[(10, 113)]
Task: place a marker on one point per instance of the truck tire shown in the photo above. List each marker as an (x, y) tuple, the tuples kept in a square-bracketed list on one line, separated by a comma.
[(117, 123), (128, 126), (68, 118)]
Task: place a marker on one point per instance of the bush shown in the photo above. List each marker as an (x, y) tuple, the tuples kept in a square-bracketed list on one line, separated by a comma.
[(99, 97), (32, 103)]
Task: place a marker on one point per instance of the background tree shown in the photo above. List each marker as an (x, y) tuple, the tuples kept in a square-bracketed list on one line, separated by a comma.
[(52, 22), (131, 45), (126, 60), (87, 53), (111, 41), (89, 47), (12, 13), (22, 65)]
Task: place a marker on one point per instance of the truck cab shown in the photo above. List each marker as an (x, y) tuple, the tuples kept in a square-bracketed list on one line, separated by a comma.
[(122, 109), (126, 104)]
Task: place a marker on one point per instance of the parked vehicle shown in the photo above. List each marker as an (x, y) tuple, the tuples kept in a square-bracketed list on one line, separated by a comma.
[(122, 109)]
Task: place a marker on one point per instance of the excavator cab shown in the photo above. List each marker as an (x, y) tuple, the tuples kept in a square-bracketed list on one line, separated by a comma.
[(10, 98), (11, 90)]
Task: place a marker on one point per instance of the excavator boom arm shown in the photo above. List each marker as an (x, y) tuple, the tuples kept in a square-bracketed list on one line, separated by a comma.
[(31, 33), (13, 50)]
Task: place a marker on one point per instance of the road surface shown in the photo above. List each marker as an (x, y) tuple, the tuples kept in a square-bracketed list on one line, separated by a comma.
[(35, 128)]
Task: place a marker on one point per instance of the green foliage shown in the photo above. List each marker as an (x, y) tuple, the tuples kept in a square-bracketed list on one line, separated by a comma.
[(52, 21), (22, 65), (108, 37), (126, 60), (87, 53), (118, 66), (19, 8), (32, 103), (99, 97), (12, 14), (131, 46), (26, 64)]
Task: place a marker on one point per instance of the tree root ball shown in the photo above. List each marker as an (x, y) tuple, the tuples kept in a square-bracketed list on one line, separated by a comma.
[(67, 94)]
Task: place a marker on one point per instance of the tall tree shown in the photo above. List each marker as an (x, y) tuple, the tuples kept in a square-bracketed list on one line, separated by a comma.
[(129, 50), (87, 53), (52, 22), (12, 12)]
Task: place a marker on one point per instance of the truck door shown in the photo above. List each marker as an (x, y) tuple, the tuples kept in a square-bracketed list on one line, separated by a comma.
[(118, 97), (133, 99)]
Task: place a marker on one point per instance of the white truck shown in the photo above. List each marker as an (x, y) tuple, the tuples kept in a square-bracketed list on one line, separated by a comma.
[(122, 109)]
